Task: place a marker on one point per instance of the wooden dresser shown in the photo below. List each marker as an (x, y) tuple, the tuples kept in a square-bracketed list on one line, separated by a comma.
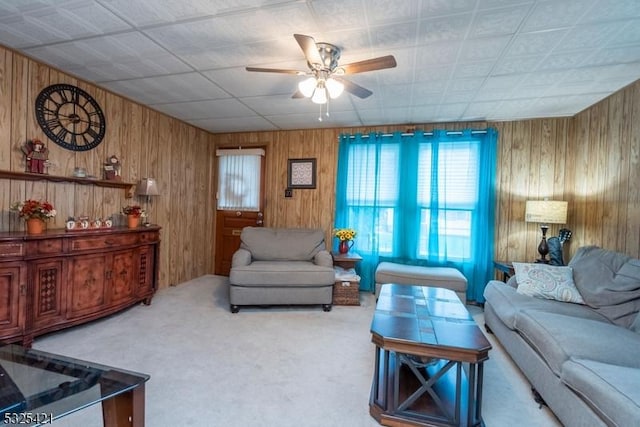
[(60, 279)]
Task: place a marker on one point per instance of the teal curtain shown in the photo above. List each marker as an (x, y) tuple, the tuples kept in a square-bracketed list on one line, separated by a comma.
[(421, 199)]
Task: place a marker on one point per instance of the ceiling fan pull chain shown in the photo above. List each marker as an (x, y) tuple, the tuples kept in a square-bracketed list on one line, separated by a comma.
[(320, 114)]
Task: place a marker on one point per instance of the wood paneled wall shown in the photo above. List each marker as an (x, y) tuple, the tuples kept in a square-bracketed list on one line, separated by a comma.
[(148, 144), (591, 160)]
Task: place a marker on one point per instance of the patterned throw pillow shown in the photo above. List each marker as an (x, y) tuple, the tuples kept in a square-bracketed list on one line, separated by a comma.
[(547, 281)]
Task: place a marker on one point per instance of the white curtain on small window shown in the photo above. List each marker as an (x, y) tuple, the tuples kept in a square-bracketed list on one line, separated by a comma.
[(239, 174)]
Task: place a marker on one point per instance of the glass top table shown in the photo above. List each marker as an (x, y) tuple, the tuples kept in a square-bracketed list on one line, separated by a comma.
[(37, 387)]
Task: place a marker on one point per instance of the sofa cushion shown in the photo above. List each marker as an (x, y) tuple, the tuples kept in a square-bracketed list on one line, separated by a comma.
[(282, 244), (558, 338), (547, 281), (277, 273), (507, 303), (611, 390), (609, 282)]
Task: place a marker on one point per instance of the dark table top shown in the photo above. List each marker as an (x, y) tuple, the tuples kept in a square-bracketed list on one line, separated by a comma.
[(427, 321)]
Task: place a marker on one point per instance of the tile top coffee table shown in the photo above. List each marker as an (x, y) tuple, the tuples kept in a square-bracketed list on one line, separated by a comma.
[(37, 387), (429, 359)]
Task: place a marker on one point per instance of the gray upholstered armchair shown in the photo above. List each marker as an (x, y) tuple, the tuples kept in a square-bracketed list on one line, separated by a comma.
[(281, 266)]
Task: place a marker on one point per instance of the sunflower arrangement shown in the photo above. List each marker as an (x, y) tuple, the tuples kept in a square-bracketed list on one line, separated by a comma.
[(344, 233)]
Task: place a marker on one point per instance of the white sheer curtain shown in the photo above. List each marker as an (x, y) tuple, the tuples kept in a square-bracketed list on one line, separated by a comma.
[(239, 172)]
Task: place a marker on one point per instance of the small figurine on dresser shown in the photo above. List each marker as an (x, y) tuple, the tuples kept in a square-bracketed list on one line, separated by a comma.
[(37, 156), (112, 169)]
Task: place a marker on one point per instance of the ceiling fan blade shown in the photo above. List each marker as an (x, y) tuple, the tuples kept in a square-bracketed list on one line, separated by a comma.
[(370, 65), (276, 70), (351, 87), (309, 47)]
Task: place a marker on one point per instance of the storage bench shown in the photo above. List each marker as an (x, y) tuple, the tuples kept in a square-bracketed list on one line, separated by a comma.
[(441, 277)]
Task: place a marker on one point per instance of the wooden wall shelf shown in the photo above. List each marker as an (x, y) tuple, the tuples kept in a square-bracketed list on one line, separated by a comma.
[(127, 186)]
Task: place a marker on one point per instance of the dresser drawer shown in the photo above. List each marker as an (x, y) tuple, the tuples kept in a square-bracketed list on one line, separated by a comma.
[(101, 242), (11, 249), (147, 237), (45, 247)]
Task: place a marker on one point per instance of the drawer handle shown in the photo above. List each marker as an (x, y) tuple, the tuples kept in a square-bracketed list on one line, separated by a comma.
[(236, 232), (109, 242)]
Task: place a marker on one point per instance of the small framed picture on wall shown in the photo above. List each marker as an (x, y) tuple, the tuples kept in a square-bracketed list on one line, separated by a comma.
[(301, 173)]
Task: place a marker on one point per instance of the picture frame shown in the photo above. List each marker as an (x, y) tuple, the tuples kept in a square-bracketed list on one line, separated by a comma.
[(301, 173)]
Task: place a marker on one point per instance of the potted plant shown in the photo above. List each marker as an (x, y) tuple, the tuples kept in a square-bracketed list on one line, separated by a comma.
[(35, 213), (133, 213)]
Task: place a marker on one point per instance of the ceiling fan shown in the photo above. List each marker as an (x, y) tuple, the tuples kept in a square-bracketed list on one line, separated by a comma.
[(325, 75)]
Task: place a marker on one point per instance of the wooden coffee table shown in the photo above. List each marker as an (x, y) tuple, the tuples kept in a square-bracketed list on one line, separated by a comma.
[(428, 361)]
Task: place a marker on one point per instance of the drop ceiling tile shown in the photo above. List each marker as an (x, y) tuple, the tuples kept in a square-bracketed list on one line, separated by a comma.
[(310, 120), (540, 43), (553, 14), (391, 10), (497, 22), (396, 35), (24, 32), (235, 124), (346, 14), (605, 10), (480, 110), (240, 82), (537, 79), (442, 72), (452, 111), (459, 97), (564, 61), (473, 69), (173, 88), (588, 37), (618, 55), (437, 54), (483, 49), (58, 56), (630, 34), (433, 8), (279, 105), (516, 65), (108, 71), (444, 29), (219, 108)]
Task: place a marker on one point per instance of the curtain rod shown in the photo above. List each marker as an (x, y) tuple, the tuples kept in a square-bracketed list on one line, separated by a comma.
[(451, 132)]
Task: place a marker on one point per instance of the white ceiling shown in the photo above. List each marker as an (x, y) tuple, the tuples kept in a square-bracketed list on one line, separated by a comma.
[(457, 59)]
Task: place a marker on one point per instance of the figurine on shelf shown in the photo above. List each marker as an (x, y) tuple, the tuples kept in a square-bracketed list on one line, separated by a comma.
[(37, 156), (112, 169)]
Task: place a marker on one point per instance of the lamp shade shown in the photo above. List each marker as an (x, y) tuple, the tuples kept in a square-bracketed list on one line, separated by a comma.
[(147, 187), (307, 86), (546, 211)]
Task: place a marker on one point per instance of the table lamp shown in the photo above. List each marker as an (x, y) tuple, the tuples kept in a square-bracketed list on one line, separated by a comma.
[(147, 187), (545, 212)]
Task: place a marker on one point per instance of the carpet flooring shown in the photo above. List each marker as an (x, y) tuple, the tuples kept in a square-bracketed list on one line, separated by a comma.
[(275, 366)]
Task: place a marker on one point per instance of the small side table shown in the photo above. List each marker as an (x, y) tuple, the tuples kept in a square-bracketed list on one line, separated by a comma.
[(506, 267), (346, 292), (346, 261)]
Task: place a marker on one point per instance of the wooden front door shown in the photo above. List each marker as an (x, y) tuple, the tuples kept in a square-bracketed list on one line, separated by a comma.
[(235, 181)]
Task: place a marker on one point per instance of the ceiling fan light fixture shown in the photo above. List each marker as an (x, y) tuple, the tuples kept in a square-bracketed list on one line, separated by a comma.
[(307, 86), (320, 95), (334, 87)]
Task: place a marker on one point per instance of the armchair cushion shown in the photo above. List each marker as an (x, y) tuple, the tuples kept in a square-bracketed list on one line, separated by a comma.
[(282, 244)]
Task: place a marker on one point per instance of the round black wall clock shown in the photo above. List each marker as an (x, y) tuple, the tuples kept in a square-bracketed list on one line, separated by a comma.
[(70, 117)]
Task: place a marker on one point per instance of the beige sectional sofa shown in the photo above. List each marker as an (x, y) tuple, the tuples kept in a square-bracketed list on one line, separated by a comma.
[(281, 266)]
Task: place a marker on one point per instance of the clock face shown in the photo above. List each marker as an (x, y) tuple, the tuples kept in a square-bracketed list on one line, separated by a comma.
[(70, 117)]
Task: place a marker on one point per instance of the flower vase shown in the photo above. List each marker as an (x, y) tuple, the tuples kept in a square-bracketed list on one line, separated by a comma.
[(133, 221), (345, 246), (35, 226)]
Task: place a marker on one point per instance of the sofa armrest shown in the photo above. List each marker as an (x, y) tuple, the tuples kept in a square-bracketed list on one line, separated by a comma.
[(240, 258), (323, 258)]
